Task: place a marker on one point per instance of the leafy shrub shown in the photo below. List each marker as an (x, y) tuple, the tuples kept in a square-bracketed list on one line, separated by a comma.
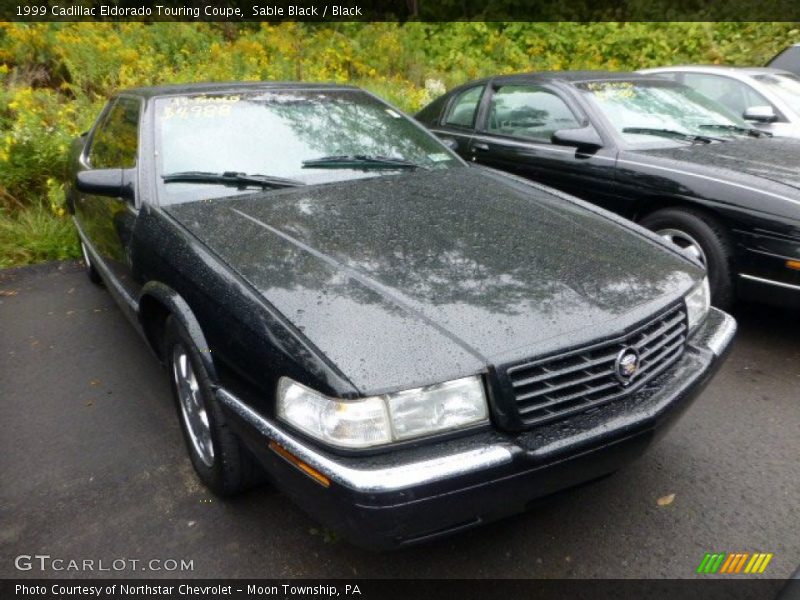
[(35, 234)]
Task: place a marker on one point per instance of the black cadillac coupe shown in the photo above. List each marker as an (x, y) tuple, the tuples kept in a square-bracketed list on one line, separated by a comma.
[(406, 345), (653, 151)]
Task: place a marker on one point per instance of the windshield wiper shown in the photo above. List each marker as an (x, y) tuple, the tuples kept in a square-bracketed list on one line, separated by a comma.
[(360, 161), (751, 131), (230, 178), (672, 133)]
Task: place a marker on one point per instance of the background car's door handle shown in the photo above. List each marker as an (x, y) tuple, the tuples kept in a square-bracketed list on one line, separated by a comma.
[(480, 146)]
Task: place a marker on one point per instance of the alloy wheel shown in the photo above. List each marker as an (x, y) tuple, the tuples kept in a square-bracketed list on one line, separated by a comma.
[(193, 409), (685, 242)]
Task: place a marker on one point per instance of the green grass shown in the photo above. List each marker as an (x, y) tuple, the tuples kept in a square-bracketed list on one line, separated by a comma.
[(35, 234)]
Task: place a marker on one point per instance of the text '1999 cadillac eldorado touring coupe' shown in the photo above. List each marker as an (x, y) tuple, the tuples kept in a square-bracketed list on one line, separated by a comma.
[(406, 345)]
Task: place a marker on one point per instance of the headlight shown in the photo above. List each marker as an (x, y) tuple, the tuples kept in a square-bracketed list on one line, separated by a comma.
[(698, 301), (382, 419)]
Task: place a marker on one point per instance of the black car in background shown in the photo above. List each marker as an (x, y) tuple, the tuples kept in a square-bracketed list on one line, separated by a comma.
[(405, 345), (653, 151)]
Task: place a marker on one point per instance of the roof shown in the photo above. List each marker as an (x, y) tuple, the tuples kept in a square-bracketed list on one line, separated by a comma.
[(729, 69), (575, 76), (565, 76), (228, 86)]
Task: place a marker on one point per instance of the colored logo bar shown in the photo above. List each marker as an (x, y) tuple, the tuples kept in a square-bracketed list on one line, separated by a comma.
[(734, 563)]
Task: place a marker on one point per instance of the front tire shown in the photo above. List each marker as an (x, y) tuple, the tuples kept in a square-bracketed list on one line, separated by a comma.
[(703, 238), (91, 272), (217, 455)]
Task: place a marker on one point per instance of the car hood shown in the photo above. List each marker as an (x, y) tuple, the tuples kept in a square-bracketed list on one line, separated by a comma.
[(775, 162), (411, 279)]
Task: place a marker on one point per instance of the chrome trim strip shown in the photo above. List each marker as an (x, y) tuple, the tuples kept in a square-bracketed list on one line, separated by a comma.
[(467, 134), (385, 479), (499, 140), (533, 145), (772, 254), (788, 286)]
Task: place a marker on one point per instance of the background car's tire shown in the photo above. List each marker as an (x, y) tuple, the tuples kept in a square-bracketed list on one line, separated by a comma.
[(91, 272), (698, 233), (221, 461)]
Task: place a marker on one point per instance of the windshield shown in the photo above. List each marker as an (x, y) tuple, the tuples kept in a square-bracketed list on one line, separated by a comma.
[(634, 107), (785, 86), (212, 145)]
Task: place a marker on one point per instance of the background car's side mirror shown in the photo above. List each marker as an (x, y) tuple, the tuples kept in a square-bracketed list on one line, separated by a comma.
[(115, 183), (584, 139), (450, 143), (760, 114)]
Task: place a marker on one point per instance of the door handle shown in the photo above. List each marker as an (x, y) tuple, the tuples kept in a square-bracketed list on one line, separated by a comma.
[(480, 146)]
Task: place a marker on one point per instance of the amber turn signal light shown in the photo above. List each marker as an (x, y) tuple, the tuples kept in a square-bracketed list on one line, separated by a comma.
[(305, 468), (793, 264)]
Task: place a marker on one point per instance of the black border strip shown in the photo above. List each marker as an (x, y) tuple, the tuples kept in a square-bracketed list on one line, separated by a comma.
[(709, 588), (240, 11)]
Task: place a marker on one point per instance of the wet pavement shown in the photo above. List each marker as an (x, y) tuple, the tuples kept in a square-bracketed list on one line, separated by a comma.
[(92, 466)]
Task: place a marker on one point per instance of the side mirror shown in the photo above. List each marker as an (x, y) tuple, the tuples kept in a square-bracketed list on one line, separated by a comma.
[(760, 114), (115, 183), (584, 139), (450, 143)]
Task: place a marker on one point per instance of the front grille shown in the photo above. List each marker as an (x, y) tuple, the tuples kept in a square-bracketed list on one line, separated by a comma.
[(553, 387)]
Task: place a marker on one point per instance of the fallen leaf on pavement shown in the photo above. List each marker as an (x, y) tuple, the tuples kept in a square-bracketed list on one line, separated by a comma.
[(666, 500)]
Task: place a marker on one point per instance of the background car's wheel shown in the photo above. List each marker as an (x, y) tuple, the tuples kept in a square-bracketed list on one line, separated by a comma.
[(703, 238), (91, 272), (221, 461)]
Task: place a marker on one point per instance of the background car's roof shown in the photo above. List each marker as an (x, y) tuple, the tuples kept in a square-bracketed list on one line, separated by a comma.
[(228, 86), (581, 76), (567, 77), (719, 69)]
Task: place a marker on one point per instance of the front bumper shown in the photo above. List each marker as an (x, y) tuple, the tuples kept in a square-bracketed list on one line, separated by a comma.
[(417, 494)]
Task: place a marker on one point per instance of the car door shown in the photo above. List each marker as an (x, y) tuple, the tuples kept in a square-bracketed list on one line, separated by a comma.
[(107, 222), (515, 135)]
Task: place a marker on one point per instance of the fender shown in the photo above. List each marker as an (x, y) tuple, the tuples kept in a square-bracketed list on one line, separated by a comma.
[(180, 309)]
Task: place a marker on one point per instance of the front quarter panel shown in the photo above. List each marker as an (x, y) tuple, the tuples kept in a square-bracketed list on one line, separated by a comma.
[(249, 342), (737, 196)]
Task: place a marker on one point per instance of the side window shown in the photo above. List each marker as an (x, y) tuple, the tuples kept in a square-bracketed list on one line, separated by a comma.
[(464, 108), (733, 94), (115, 141), (530, 112)]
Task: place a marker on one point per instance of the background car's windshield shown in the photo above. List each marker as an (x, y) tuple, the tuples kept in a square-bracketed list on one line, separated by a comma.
[(660, 106), (273, 132), (786, 87)]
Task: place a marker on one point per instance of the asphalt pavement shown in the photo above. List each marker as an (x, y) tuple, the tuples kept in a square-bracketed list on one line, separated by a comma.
[(92, 466)]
